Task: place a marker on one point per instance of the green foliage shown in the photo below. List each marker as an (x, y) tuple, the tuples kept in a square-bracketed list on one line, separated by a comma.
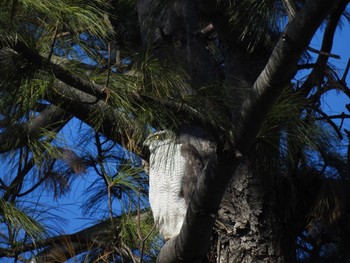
[(159, 78), (78, 16), (99, 43), (255, 22), (136, 228), (17, 220)]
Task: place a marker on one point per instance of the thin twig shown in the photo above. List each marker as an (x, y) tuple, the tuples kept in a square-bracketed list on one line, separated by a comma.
[(109, 65), (53, 41), (13, 11), (143, 239), (323, 53), (118, 57), (306, 66), (337, 116), (334, 126), (104, 176), (110, 203), (138, 217), (131, 254), (346, 71)]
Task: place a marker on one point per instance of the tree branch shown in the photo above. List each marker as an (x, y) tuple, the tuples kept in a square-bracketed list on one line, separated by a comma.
[(326, 48), (59, 72), (331, 122), (50, 118), (280, 68), (346, 71), (337, 116), (84, 106), (96, 236), (192, 243)]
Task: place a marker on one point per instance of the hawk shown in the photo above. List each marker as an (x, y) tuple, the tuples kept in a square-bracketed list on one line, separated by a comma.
[(174, 166)]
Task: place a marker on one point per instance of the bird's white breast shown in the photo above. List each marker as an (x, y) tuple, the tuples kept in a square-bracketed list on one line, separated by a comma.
[(166, 172)]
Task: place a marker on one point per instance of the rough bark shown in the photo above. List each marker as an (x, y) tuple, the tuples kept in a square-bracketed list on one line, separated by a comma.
[(251, 226)]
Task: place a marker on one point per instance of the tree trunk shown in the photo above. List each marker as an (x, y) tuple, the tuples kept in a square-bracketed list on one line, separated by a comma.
[(252, 225), (248, 227), (173, 31)]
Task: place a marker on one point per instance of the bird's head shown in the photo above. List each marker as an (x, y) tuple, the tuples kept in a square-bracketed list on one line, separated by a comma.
[(159, 138)]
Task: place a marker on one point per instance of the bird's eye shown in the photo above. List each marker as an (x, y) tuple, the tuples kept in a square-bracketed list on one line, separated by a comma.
[(156, 137)]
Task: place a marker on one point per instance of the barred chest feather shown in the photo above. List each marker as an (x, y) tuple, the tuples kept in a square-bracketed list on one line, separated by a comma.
[(168, 205)]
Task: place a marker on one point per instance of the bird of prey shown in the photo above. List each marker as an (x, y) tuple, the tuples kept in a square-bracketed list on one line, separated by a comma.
[(174, 166)]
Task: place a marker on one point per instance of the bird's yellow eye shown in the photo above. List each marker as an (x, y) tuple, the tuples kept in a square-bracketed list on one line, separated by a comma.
[(156, 137)]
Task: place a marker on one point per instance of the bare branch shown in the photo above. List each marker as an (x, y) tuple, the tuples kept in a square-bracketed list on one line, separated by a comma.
[(306, 66), (323, 53), (334, 126), (337, 116), (326, 48)]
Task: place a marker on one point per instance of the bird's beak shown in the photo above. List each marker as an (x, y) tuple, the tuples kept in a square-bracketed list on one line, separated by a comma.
[(145, 143)]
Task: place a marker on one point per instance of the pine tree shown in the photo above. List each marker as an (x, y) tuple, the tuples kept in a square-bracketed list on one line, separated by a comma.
[(110, 72)]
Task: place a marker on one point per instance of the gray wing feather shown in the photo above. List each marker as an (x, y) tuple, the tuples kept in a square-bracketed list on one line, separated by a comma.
[(193, 168)]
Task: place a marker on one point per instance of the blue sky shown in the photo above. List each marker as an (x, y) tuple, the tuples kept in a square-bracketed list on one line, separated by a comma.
[(334, 103)]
